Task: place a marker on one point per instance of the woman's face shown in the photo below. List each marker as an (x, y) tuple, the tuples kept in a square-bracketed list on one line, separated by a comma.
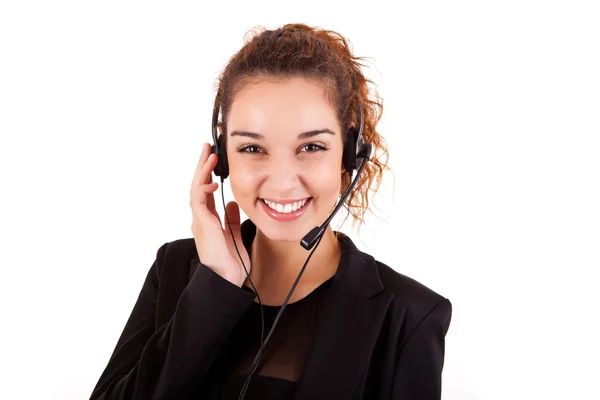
[(285, 148)]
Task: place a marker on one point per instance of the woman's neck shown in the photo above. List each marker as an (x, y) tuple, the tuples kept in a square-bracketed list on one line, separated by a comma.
[(276, 265)]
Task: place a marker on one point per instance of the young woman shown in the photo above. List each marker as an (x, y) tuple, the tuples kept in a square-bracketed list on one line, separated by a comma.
[(243, 310)]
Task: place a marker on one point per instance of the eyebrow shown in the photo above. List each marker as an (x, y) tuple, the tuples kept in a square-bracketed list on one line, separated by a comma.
[(303, 135)]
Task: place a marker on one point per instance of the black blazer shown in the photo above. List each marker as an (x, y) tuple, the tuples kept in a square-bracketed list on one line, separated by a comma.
[(381, 335)]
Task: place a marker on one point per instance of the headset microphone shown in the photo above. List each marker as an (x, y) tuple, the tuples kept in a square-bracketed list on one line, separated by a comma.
[(354, 150), (311, 237)]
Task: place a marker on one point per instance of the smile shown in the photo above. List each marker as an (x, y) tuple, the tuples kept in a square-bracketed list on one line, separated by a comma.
[(285, 207), (285, 210)]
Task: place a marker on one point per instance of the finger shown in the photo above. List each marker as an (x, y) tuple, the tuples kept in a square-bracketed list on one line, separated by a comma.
[(199, 196), (201, 162), (210, 198), (209, 189), (203, 196), (202, 177), (200, 174), (233, 214)]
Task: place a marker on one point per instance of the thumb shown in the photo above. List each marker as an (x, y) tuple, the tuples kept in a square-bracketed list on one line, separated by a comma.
[(233, 214)]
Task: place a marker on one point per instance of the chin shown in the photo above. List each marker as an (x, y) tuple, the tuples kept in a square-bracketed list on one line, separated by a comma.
[(281, 235), (283, 231)]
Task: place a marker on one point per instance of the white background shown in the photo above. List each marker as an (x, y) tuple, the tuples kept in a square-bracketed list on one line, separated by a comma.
[(492, 120)]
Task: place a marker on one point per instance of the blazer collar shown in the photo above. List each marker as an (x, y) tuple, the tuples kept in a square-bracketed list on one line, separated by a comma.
[(347, 328)]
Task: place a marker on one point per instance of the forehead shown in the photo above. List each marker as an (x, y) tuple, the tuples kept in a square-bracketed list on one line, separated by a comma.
[(290, 105)]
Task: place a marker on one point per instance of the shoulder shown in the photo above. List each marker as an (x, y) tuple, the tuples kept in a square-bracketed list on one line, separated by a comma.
[(414, 304), (185, 248), (406, 289), (175, 257)]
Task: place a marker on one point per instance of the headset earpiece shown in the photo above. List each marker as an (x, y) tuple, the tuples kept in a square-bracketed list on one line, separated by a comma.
[(351, 150), (222, 167)]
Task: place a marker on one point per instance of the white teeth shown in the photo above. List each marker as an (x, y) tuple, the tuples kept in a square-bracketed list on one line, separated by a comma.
[(288, 208)]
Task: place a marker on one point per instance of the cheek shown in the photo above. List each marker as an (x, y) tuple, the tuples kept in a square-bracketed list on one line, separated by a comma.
[(245, 179), (242, 180), (326, 182)]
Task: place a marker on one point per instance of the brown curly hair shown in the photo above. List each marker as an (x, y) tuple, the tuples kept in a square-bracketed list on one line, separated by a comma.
[(324, 56)]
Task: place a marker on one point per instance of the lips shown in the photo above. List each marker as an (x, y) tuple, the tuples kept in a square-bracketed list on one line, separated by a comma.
[(285, 217), (286, 207)]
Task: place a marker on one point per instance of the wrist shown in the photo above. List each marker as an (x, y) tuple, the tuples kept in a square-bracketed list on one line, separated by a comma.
[(236, 280)]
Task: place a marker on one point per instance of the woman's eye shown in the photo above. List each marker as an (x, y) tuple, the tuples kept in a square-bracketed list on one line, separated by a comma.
[(250, 149), (312, 147)]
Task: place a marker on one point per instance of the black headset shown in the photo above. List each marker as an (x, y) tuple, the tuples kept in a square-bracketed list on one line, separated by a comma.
[(354, 150)]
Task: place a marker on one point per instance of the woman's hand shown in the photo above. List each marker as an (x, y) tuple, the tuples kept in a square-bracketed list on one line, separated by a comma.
[(213, 242)]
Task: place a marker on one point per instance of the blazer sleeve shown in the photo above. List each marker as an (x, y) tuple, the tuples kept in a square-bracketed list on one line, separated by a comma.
[(168, 362), (418, 373)]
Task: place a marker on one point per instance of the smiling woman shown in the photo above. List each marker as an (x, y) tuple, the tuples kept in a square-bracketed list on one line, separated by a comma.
[(297, 121), (285, 145)]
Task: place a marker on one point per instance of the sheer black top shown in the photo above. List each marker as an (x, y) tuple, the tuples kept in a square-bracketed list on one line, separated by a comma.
[(284, 356)]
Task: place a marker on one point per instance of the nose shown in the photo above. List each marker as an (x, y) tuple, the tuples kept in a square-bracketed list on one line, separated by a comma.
[(283, 174)]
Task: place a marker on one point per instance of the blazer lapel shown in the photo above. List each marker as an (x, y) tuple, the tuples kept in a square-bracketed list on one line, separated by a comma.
[(347, 329)]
